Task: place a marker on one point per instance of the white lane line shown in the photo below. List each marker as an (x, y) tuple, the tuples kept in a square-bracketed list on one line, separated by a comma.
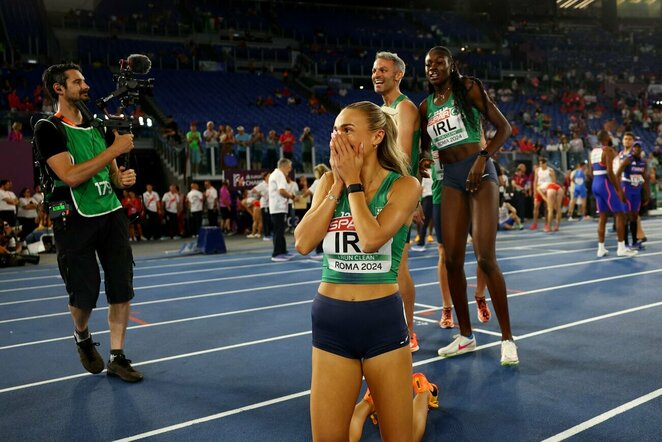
[(605, 416), (219, 415), (434, 321), (419, 269), (430, 308), (417, 364), (181, 298), (205, 295), (649, 225), (170, 322), (154, 361)]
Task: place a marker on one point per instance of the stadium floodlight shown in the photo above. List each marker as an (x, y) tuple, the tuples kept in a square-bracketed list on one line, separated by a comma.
[(584, 4), (569, 3)]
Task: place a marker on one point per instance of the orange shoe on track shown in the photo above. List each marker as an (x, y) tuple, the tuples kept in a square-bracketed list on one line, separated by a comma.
[(413, 343), (482, 310), (446, 318), (422, 385), (368, 399)]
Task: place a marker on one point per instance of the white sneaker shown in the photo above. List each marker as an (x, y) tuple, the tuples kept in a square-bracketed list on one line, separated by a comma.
[(626, 252), (602, 252), (417, 248), (459, 346), (509, 353)]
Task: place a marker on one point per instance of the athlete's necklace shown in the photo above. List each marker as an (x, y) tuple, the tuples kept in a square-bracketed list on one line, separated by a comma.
[(443, 96)]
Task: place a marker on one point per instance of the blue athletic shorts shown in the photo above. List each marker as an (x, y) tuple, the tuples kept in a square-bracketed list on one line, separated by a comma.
[(632, 198), (606, 198), (359, 330), (455, 174), (509, 221)]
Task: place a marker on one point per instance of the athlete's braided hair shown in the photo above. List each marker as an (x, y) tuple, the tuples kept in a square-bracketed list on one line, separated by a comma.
[(460, 93)]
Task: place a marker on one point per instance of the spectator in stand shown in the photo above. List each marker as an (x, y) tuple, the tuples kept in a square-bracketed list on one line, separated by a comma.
[(171, 130), (16, 133), (193, 141), (8, 203), (243, 141), (225, 203), (307, 144), (552, 152), (257, 148), (286, 141), (211, 204), (14, 101), (210, 136), (38, 195), (271, 153), (194, 203), (151, 211), (228, 158), (171, 206), (27, 212), (576, 154)]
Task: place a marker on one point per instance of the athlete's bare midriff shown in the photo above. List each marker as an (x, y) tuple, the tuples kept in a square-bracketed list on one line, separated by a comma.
[(459, 152), (357, 292)]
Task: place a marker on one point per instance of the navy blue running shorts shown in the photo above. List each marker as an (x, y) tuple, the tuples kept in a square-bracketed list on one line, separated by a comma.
[(455, 174), (359, 329)]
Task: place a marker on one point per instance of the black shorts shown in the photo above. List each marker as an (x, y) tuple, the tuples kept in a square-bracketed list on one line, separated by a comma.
[(359, 330), (79, 240), (225, 213)]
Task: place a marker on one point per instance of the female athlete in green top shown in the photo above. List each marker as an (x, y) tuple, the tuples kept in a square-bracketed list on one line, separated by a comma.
[(358, 322), (470, 191)]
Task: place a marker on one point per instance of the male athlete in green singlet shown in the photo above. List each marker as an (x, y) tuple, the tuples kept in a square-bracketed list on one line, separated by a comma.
[(387, 72)]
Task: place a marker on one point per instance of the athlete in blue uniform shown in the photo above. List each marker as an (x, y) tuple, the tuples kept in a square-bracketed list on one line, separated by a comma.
[(608, 194), (633, 174)]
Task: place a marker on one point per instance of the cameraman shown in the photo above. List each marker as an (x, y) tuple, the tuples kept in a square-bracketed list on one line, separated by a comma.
[(87, 216)]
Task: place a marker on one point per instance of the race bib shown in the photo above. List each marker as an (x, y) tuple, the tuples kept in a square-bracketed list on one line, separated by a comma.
[(343, 251), (579, 181), (636, 180), (446, 127)]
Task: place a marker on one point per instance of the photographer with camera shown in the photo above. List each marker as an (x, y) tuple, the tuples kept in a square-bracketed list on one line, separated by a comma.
[(87, 217)]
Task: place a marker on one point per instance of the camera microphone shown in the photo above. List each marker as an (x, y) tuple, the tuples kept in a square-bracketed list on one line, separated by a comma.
[(139, 64)]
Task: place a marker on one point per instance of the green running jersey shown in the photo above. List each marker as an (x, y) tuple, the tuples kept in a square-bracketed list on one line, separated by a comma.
[(344, 262)]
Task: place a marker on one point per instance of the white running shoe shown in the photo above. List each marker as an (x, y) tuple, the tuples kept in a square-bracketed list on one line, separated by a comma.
[(626, 252), (509, 353), (602, 252), (459, 346), (417, 248)]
